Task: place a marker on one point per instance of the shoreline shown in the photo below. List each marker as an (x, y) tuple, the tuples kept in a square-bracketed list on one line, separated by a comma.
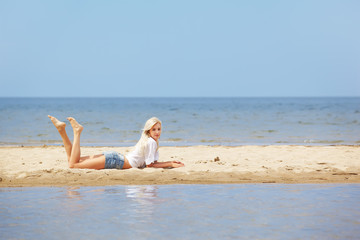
[(195, 144), (33, 166)]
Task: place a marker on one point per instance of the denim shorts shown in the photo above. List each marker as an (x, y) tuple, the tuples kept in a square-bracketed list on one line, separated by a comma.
[(114, 160)]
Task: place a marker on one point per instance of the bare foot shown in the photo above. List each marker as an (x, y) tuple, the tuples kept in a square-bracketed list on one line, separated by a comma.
[(77, 127), (59, 125)]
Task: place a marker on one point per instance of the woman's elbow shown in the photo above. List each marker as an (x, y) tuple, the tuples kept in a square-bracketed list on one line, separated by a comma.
[(150, 165)]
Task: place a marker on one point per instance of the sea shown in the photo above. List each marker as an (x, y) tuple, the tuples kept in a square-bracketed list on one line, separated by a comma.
[(208, 211), (185, 121)]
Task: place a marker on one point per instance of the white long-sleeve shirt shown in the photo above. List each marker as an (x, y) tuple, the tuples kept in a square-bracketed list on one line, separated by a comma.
[(151, 154)]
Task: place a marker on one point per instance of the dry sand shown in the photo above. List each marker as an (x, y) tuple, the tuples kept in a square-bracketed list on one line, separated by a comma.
[(47, 166)]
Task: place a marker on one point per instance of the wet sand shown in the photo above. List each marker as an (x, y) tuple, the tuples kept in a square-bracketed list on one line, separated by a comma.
[(47, 166)]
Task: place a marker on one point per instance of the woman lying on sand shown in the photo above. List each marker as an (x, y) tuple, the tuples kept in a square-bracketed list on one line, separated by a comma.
[(145, 154)]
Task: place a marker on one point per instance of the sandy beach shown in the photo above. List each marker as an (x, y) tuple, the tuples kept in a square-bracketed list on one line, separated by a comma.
[(47, 166)]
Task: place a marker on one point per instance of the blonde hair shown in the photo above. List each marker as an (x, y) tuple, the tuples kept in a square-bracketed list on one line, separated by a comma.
[(141, 144)]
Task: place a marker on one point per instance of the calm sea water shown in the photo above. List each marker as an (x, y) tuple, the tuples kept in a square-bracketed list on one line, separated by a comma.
[(186, 121), (247, 211)]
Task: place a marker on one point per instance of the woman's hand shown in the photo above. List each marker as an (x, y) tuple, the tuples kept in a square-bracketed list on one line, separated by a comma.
[(176, 164)]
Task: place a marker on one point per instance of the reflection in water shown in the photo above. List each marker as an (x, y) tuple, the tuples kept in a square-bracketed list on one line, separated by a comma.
[(144, 198), (71, 201), (137, 203), (141, 192), (73, 193)]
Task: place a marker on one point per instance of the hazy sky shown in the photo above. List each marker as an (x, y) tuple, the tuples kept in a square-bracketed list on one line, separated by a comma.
[(179, 48)]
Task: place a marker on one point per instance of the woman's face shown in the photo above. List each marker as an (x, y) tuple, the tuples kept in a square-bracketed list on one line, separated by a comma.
[(155, 131)]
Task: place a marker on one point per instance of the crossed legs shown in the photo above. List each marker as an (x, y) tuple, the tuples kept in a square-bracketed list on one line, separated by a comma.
[(73, 150)]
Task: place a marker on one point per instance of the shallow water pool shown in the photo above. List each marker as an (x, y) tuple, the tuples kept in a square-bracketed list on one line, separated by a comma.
[(241, 211)]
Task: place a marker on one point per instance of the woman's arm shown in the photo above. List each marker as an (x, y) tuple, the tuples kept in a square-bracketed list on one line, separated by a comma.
[(171, 164)]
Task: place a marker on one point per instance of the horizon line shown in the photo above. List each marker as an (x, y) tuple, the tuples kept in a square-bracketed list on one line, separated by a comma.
[(180, 96)]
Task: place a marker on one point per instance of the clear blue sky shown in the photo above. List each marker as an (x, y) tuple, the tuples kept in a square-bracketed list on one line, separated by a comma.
[(179, 48)]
